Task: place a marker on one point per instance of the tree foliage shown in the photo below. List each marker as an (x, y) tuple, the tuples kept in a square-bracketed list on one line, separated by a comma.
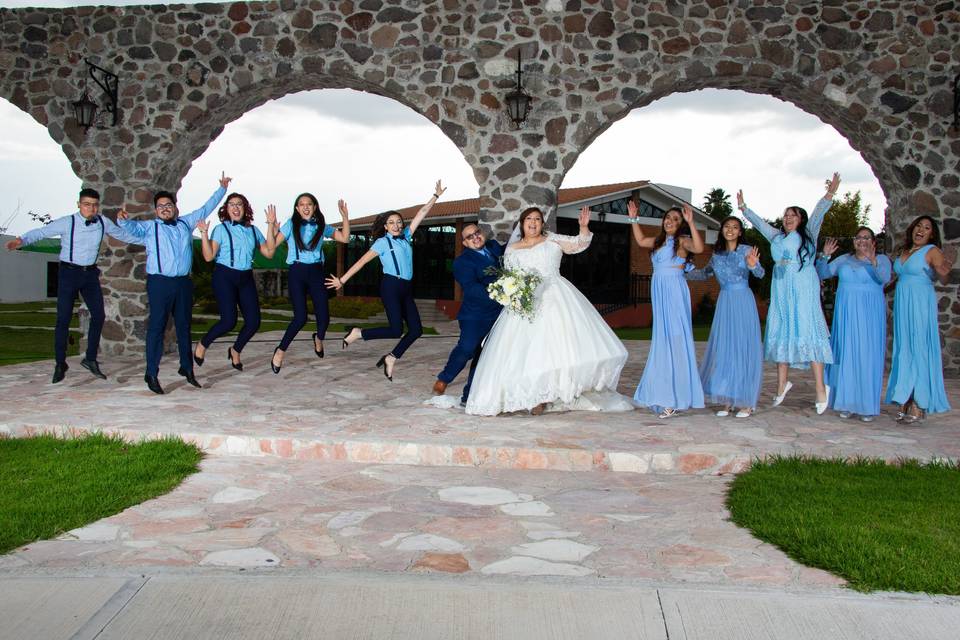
[(717, 205)]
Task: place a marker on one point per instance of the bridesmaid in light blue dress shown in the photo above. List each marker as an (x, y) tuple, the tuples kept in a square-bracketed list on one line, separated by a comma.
[(797, 334), (732, 366), (916, 371), (859, 335), (670, 381)]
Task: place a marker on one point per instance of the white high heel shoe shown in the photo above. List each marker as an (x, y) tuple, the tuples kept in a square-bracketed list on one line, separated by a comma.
[(822, 406), (786, 388)]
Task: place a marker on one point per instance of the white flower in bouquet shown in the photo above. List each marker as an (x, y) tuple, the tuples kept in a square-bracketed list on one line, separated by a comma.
[(514, 289)]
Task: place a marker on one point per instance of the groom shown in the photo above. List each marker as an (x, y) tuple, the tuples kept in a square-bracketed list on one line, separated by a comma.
[(478, 311)]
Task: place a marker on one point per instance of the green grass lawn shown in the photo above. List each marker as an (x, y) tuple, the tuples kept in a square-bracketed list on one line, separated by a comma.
[(878, 526), (700, 333), (34, 319), (51, 485), (29, 345), (27, 306)]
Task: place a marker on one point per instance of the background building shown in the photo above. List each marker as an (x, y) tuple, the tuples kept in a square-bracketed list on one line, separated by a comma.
[(30, 274)]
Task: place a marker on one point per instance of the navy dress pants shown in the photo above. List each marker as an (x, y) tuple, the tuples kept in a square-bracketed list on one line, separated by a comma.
[(472, 333), (73, 280), (232, 287), (166, 295), (397, 296), (301, 280)]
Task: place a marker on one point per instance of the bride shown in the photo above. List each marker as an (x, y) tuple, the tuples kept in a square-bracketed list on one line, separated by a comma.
[(567, 357)]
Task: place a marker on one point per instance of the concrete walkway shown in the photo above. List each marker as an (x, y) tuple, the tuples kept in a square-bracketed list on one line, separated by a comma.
[(197, 607)]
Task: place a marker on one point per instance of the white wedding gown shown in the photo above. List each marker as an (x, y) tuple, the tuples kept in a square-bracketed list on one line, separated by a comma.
[(567, 356)]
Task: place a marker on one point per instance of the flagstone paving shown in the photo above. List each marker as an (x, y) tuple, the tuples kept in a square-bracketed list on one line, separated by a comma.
[(267, 514), (342, 408)]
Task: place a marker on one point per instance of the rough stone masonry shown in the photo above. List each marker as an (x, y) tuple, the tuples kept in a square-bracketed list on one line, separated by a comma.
[(880, 72)]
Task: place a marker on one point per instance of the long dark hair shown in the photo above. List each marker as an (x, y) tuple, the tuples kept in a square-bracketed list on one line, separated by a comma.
[(297, 221), (720, 246), (523, 216), (682, 230), (807, 246), (379, 228), (247, 219), (934, 234)]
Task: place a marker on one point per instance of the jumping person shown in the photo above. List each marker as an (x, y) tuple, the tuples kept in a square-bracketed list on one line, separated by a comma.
[(392, 245), (307, 228), (168, 240), (232, 245), (81, 235)]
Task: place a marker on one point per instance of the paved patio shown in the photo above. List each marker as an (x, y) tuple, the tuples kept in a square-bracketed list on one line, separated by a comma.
[(342, 408)]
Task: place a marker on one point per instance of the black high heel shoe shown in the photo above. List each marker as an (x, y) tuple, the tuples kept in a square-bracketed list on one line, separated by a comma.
[(236, 365), (274, 367), (319, 353), (344, 342), (197, 358), (382, 362)]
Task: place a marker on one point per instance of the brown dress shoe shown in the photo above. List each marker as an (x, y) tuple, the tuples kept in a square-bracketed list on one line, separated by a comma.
[(439, 387), (539, 409)]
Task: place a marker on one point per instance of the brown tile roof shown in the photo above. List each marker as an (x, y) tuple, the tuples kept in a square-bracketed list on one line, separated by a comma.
[(471, 206)]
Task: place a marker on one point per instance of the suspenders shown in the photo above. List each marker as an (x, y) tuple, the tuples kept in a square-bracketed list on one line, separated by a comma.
[(253, 233), (296, 249), (156, 239), (230, 236), (396, 265), (73, 225)]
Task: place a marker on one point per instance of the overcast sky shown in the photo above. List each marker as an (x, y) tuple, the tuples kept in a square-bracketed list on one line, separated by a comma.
[(378, 154)]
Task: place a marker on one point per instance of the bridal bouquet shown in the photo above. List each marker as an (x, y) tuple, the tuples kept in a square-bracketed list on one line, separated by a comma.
[(514, 289)]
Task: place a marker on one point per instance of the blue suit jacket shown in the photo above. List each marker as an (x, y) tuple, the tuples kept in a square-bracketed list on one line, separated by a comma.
[(468, 270)]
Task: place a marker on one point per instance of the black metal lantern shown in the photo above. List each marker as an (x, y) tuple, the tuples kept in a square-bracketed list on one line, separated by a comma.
[(85, 111), (88, 112), (518, 100)]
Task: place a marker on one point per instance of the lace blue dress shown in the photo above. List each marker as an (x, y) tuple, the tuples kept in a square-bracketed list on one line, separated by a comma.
[(859, 339), (670, 378), (732, 366), (796, 329), (916, 368)]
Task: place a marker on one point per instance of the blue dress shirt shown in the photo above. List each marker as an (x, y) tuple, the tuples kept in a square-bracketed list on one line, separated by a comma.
[(79, 241), (307, 231), (237, 242), (396, 254), (170, 246)]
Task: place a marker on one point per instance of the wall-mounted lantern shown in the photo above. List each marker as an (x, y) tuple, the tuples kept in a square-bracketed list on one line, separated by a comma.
[(88, 112), (518, 100)]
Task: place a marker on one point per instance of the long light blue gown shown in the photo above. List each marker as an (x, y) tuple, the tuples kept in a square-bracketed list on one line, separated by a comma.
[(859, 333), (916, 368), (732, 366), (670, 378), (796, 329)]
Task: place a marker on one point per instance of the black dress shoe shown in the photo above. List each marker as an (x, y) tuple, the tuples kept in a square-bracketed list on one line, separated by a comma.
[(153, 384), (59, 372), (236, 365), (93, 367), (319, 353), (344, 342), (189, 376), (274, 367), (382, 362), (197, 358)]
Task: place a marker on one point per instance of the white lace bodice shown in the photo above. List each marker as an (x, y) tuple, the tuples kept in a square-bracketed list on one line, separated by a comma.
[(545, 257)]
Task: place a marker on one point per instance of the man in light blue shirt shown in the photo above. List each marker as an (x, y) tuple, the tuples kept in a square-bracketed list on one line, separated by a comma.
[(81, 235), (168, 239)]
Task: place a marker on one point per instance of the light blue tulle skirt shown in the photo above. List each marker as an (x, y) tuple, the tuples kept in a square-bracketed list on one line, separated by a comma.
[(732, 366)]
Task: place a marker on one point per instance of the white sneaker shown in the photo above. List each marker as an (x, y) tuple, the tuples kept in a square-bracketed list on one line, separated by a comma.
[(822, 406), (844, 414), (723, 413), (744, 413), (866, 418), (786, 388)]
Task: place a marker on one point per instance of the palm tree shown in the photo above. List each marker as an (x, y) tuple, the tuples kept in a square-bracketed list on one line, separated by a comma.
[(717, 204)]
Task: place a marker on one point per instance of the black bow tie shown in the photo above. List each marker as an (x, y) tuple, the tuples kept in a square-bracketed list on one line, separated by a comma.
[(170, 222), (236, 224), (90, 221)]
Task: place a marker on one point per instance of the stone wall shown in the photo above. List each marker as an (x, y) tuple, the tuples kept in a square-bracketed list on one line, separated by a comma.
[(878, 71)]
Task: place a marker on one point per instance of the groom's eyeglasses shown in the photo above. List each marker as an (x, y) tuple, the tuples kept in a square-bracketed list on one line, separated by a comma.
[(476, 235)]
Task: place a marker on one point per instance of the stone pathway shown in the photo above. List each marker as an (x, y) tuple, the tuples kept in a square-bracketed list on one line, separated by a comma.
[(270, 514), (342, 408)]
